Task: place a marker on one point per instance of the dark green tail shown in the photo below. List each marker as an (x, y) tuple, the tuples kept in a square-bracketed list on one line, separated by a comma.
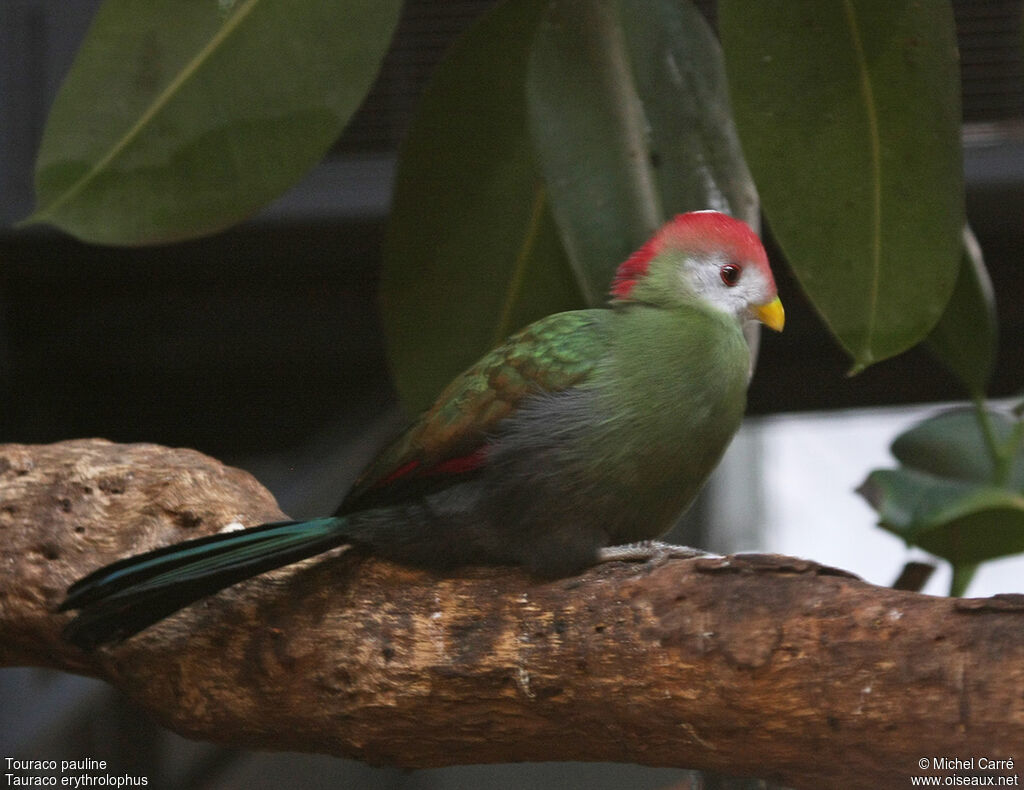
[(123, 598)]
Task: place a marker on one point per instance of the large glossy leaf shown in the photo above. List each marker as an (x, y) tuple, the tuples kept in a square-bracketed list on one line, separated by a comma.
[(965, 523), (471, 252), (181, 117), (630, 117), (849, 113), (953, 445), (965, 337)]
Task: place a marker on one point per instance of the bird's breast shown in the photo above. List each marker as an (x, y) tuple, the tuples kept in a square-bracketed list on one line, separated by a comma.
[(669, 398)]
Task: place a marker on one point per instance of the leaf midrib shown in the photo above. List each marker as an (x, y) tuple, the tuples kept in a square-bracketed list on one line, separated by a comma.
[(866, 357), (159, 103), (523, 255)]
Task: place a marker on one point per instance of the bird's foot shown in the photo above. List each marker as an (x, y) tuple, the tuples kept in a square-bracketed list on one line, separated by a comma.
[(654, 552)]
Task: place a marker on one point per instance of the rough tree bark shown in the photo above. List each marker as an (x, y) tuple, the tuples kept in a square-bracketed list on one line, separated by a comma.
[(760, 665)]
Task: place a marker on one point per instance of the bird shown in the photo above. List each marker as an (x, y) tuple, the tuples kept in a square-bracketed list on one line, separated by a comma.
[(582, 438)]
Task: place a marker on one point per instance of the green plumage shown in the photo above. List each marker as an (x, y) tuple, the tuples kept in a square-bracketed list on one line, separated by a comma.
[(584, 430), (669, 418), (552, 354)]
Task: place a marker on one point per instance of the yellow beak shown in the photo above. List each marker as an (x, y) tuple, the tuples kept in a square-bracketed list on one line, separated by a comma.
[(771, 314)]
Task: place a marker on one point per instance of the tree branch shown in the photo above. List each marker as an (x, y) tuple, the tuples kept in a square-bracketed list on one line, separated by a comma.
[(760, 665)]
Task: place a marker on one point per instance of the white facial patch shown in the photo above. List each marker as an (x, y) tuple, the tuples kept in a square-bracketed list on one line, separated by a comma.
[(703, 276)]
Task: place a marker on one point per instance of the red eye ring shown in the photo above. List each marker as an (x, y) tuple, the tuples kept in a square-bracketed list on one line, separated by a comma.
[(731, 273)]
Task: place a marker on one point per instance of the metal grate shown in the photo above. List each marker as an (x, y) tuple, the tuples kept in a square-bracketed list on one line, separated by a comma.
[(990, 59), (425, 31), (989, 36)]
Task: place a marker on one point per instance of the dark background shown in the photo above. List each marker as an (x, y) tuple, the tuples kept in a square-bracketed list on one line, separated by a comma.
[(262, 336), (261, 346)]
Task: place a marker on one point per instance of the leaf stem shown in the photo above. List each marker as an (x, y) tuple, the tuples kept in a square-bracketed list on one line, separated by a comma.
[(1001, 453), (962, 575), (1012, 447)]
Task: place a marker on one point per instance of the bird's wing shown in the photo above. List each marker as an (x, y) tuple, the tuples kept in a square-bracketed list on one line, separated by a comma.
[(449, 441)]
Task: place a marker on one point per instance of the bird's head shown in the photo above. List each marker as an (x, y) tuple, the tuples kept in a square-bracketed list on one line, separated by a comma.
[(707, 256)]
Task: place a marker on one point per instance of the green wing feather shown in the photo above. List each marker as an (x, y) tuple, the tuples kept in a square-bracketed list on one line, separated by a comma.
[(552, 354)]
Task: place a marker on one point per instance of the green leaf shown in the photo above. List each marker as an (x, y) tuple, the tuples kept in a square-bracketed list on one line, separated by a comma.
[(965, 523), (178, 118), (472, 252), (953, 445), (965, 337), (849, 113), (630, 117)]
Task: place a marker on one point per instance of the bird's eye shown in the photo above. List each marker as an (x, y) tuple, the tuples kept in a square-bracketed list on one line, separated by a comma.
[(730, 274)]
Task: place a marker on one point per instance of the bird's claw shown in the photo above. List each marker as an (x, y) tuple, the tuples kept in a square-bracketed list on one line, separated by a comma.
[(653, 552)]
